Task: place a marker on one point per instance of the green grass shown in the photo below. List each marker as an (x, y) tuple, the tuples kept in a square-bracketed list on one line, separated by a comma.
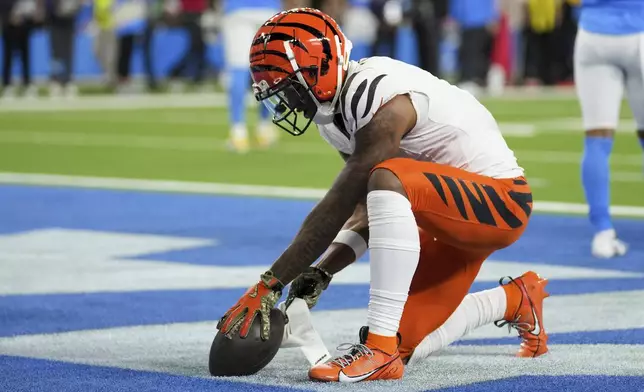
[(188, 144)]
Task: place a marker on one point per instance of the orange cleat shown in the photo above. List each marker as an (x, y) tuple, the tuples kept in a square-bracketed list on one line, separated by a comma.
[(525, 312), (364, 362)]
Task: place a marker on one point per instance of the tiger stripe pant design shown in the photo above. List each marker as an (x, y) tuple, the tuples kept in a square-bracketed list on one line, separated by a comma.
[(463, 218)]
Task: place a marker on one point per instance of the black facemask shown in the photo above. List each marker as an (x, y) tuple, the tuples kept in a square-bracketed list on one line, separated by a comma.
[(290, 103)]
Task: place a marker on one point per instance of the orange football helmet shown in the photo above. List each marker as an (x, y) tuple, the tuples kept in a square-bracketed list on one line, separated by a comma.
[(298, 61)]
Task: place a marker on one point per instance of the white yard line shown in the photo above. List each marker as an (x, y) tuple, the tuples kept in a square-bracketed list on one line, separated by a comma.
[(191, 143), (518, 129), (160, 185), (555, 126), (571, 157), (219, 100), (130, 141), (115, 102), (244, 190), (635, 177), (200, 100)]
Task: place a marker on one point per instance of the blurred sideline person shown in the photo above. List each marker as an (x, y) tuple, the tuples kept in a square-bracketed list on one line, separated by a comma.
[(477, 20), (130, 20), (427, 17), (61, 21), (608, 59), (360, 26), (242, 18), (154, 18), (543, 17), (189, 13), (18, 18), (390, 14), (105, 42)]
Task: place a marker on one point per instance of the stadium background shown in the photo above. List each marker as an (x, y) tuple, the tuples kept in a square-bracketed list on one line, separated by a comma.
[(127, 228)]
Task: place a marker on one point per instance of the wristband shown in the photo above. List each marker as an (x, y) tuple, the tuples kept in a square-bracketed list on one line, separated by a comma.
[(353, 240)]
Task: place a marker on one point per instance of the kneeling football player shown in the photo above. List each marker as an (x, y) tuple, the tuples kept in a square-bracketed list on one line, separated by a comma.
[(420, 153)]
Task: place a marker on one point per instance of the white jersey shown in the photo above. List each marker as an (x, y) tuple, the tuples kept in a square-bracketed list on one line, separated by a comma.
[(452, 127)]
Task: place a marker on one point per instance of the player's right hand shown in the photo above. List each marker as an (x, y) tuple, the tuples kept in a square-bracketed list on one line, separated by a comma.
[(257, 301), (309, 285)]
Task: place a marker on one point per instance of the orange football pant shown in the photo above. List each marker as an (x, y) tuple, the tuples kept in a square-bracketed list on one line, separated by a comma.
[(463, 218)]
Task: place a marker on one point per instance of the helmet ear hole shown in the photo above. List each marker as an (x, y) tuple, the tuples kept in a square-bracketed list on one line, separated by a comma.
[(324, 68)]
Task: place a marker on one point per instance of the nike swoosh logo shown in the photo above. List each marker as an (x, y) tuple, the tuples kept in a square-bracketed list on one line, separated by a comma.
[(536, 329), (344, 378)]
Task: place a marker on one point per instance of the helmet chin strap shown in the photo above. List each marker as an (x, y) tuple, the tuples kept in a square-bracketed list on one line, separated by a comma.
[(325, 111)]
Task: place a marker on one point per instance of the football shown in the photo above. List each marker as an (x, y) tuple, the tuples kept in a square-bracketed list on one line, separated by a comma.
[(234, 356)]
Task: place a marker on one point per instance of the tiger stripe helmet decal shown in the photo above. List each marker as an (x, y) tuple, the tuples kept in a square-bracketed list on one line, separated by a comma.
[(298, 61)]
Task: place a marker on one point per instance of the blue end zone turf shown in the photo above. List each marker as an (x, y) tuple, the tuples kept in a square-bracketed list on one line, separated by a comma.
[(27, 374), (251, 232), (72, 312), (549, 383)]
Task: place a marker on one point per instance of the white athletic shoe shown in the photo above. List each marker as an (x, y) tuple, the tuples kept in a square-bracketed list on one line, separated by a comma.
[(55, 90), (9, 93), (606, 245), (71, 91), (30, 92), (266, 135)]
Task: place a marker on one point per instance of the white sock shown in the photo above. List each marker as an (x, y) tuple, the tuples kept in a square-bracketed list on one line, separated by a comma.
[(394, 247), (476, 310), (239, 131)]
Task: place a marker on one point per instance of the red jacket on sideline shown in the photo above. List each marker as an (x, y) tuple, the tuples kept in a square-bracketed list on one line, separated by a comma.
[(194, 5)]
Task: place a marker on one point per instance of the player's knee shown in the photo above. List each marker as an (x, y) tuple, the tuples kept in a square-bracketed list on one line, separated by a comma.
[(600, 132), (385, 180)]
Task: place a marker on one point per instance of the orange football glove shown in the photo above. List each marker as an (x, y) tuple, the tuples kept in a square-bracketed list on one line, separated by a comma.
[(260, 298)]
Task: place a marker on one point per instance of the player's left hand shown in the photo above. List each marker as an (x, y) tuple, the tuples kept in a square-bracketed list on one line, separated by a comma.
[(309, 285), (259, 299)]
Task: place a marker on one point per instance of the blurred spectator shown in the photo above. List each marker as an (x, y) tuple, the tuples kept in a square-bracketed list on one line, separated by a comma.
[(130, 23), (288, 4), (18, 18), (61, 20), (334, 8), (427, 17), (477, 20), (360, 25), (189, 15), (390, 15), (154, 15), (242, 19), (105, 42), (565, 39), (8, 31), (514, 11), (543, 16)]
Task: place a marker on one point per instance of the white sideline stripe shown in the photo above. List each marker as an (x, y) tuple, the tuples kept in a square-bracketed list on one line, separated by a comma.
[(636, 177), (185, 143), (190, 100), (556, 157), (518, 129), (119, 102), (130, 141), (244, 190), (160, 185), (559, 125)]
